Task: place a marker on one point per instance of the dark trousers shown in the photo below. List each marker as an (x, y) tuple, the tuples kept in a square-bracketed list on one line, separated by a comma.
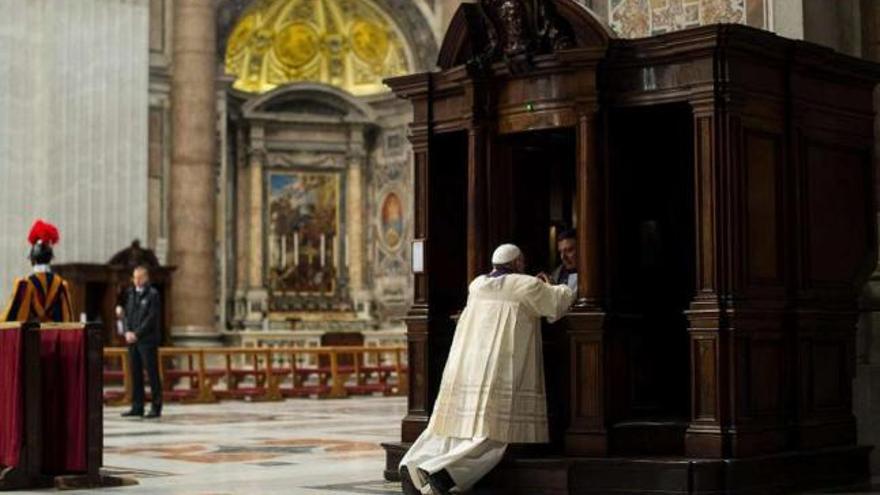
[(144, 356)]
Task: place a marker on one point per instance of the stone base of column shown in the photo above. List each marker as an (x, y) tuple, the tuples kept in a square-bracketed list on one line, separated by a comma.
[(251, 306), (866, 406), (192, 336)]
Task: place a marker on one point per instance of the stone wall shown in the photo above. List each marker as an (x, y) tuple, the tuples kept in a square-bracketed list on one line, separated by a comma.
[(73, 127)]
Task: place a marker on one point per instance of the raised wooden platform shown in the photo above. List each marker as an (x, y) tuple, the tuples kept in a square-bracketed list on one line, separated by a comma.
[(787, 472)]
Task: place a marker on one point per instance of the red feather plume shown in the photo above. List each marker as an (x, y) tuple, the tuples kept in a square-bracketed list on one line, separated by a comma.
[(43, 231)]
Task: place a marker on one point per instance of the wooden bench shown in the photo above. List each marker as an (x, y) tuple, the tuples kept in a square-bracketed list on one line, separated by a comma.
[(272, 373)]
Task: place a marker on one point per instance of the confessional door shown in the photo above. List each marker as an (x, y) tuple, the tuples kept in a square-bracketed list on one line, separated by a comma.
[(651, 276)]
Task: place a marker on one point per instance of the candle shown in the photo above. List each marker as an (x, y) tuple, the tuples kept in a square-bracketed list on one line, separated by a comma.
[(283, 251), (346, 253), (295, 248), (323, 248)]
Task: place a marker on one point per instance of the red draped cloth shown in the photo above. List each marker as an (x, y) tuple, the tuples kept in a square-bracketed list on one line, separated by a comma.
[(63, 360), (11, 397)]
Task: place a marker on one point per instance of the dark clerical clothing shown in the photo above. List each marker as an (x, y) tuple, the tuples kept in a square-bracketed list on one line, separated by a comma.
[(142, 310), (42, 297)]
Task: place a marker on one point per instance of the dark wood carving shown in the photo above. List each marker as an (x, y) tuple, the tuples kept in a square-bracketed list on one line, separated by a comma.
[(726, 223), (517, 30)]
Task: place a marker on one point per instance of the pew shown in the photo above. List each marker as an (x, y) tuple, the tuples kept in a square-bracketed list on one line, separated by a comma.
[(51, 372), (264, 373), (190, 366), (116, 371)]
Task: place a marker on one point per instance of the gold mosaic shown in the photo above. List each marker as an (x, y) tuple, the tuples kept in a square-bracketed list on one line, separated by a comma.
[(350, 44)]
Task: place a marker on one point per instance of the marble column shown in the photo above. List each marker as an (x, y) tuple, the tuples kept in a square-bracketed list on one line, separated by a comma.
[(193, 181), (355, 220), (355, 224), (866, 386), (257, 295)]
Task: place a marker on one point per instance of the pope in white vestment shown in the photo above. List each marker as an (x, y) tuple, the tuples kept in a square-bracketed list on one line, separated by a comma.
[(492, 391)]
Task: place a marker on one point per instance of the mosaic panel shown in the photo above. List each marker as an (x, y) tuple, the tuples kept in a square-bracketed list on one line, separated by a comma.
[(639, 18)]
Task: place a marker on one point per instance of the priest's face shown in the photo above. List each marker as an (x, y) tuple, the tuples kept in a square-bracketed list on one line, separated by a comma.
[(568, 253)]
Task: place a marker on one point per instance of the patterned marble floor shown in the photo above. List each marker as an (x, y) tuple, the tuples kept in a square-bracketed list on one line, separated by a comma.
[(296, 447), (300, 447)]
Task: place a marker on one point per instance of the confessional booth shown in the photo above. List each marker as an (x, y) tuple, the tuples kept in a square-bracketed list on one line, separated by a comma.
[(721, 183)]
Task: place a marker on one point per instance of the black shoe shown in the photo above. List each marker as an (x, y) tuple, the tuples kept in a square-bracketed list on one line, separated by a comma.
[(132, 413), (155, 412), (441, 482), (406, 483)]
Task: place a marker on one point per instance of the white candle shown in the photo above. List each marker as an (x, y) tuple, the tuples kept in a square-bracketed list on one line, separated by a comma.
[(323, 248), (296, 248), (283, 251), (346, 252)]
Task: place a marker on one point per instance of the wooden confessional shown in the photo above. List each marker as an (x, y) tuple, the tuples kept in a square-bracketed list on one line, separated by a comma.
[(721, 183)]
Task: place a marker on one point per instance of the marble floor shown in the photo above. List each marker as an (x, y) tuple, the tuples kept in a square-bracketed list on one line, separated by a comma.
[(296, 447), (300, 447)]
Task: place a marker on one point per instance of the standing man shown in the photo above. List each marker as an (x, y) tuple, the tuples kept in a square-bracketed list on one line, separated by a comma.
[(566, 272), (492, 391), (141, 320), (41, 296)]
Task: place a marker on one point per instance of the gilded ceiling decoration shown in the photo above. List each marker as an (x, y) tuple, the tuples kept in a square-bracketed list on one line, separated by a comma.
[(350, 44)]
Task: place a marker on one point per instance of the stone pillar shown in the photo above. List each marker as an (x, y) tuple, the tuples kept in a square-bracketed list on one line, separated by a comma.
[(354, 225), (257, 295), (356, 221), (193, 181), (866, 386)]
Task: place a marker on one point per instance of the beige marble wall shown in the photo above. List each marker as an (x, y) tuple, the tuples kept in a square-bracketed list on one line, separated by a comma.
[(73, 127), (788, 18), (159, 159), (445, 9)]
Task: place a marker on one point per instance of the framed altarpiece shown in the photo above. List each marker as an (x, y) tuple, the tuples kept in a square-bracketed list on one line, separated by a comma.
[(306, 254)]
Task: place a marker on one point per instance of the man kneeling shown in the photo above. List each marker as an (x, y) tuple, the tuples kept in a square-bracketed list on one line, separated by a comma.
[(492, 392)]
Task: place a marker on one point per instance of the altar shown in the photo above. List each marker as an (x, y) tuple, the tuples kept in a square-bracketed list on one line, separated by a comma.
[(720, 180)]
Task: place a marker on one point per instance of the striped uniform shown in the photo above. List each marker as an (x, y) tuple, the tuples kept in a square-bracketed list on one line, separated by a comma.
[(42, 297)]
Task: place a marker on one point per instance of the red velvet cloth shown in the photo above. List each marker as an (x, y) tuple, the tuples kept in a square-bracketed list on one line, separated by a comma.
[(63, 359), (11, 397)]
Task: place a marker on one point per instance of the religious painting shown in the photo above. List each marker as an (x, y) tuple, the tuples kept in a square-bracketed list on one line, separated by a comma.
[(303, 231), (392, 221)]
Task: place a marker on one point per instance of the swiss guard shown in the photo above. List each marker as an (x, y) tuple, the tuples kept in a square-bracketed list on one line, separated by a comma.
[(42, 296)]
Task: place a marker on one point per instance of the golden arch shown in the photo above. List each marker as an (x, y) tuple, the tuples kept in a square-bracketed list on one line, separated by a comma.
[(350, 44)]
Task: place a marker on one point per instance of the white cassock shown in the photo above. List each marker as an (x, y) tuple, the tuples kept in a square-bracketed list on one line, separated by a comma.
[(492, 392)]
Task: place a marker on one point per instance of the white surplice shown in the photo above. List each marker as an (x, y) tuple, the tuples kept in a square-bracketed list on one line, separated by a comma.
[(492, 391)]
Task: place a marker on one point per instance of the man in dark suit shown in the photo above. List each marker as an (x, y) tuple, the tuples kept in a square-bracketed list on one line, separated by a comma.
[(142, 333)]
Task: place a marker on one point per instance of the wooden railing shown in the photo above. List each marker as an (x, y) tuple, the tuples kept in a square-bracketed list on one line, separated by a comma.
[(205, 375)]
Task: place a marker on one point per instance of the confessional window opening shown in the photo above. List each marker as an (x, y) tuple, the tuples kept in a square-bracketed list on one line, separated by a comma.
[(651, 259), (540, 167)]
